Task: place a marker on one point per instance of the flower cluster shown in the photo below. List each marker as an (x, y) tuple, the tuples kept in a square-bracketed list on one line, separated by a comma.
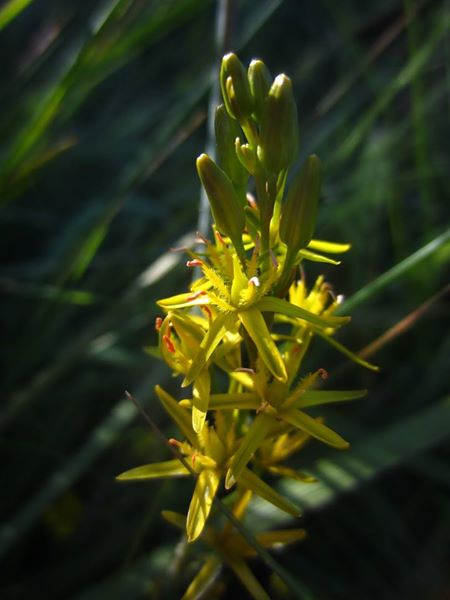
[(237, 339)]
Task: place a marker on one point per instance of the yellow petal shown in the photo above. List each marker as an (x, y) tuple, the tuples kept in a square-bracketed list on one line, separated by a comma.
[(202, 499), (318, 397), (201, 582), (250, 443), (278, 305), (247, 578), (257, 329), (181, 416), (249, 480), (313, 427), (168, 468), (329, 247)]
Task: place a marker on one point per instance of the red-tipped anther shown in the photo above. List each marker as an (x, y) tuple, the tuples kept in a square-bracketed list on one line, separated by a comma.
[(323, 373), (207, 311), (220, 238), (169, 345), (174, 442), (195, 262), (158, 323), (193, 459), (196, 295)]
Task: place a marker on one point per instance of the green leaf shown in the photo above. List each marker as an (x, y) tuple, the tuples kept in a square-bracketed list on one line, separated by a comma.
[(278, 305), (249, 444), (256, 327), (202, 499), (248, 479), (168, 468), (313, 427), (10, 10)]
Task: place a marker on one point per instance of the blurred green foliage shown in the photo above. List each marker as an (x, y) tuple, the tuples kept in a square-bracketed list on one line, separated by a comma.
[(103, 106)]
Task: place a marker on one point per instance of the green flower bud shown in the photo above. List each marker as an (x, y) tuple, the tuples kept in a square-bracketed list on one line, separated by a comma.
[(235, 88), (279, 134), (227, 210), (246, 156), (227, 130), (260, 81), (298, 216)]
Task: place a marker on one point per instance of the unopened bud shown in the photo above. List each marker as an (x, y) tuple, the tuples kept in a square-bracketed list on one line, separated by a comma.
[(298, 215), (260, 81), (279, 134), (227, 131), (235, 88), (227, 210), (246, 156)]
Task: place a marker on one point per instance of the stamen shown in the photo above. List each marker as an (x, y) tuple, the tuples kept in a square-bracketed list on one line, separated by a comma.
[(254, 281), (194, 263), (158, 323), (169, 345), (323, 373)]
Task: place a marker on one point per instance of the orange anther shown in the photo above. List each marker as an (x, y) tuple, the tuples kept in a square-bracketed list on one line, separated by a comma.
[(169, 345), (158, 323), (194, 263)]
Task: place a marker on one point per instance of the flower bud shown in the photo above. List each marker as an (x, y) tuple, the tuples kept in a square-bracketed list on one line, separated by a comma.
[(279, 133), (246, 156), (298, 216), (235, 88), (227, 210), (260, 82), (227, 130)]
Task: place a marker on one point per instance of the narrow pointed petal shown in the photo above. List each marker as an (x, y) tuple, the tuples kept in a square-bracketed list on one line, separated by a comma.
[(246, 577), (272, 304), (202, 499), (313, 427), (256, 327), (203, 580), (315, 257), (351, 355), (251, 481), (291, 474), (168, 468), (318, 397), (212, 339), (174, 518), (251, 442), (181, 416), (183, 301), (328, 247), (200, 399)]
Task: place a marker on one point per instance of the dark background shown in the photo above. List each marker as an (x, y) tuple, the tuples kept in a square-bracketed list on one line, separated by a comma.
[(102, 114)]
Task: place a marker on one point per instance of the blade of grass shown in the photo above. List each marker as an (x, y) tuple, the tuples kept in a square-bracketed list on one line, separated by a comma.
[(395, 273)]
